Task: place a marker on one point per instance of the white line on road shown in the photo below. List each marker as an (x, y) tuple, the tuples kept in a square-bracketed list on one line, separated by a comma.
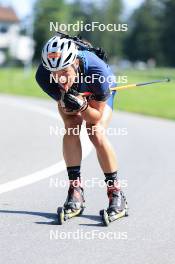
[(47, 172)]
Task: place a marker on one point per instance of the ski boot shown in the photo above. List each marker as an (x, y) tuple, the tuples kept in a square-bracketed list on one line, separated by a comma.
[(73, 206), (117, 206)]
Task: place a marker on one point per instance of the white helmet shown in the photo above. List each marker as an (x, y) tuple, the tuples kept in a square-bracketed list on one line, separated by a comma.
[(58, 53)]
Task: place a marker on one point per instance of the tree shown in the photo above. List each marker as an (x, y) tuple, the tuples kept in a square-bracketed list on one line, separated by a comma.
[(144, 39), (69, 13), (168, 34), (112, 39), (107, 12), (46, 11)]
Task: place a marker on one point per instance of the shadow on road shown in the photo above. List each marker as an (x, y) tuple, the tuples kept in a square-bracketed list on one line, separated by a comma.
[(96, 218), (42, 214), (53, 217)]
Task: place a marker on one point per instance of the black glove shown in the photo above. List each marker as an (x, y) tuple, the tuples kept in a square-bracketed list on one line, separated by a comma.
[(73, 101)]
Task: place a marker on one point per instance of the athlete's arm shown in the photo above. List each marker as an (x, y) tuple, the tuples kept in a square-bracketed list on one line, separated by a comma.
[(43, 79), (100, 90), (94, 112)]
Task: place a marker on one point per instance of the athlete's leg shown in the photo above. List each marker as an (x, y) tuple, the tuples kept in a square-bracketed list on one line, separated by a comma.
[(72, 153), (105, 152), (72, 150), (107, 159)]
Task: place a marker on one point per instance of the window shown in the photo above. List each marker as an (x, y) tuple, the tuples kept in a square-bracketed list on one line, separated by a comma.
[(3, 29)]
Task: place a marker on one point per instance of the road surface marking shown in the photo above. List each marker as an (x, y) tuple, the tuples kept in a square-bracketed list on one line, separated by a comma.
[(51, 170)]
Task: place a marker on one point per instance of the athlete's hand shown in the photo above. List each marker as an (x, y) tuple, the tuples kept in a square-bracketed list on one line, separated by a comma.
[(73, 102)]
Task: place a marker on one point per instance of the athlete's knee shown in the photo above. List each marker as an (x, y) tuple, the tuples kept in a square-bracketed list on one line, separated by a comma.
[(96, 135), (73, 122), (73, 126)]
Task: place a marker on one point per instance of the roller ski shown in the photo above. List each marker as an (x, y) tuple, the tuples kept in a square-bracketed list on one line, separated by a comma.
[(117, 207), (74, 205)]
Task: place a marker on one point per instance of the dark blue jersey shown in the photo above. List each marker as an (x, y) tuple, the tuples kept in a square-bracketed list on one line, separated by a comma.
[(95, 77)]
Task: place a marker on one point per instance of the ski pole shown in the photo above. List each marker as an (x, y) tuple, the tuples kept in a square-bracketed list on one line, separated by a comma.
[(128, 86)]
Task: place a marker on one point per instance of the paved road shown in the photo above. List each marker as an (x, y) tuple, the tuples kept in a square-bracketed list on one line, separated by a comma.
[(28, 233)]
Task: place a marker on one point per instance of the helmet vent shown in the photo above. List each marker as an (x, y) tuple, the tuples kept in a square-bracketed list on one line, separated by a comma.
[(50, 64), (68, 57), (47, 47), (62, 46), (69, 44), (54, 44), (58, 62)]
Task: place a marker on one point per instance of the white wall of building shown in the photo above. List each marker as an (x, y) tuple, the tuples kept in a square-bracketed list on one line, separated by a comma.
[(20, 47)]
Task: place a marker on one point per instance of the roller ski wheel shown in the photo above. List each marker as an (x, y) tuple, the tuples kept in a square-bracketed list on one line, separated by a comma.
[(108, 218), (64, 214), (110, 215), (60, 213), (105, 217), (74, 206)]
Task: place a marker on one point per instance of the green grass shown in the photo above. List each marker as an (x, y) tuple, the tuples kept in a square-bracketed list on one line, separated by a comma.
[(156, 100), (16, 81)]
